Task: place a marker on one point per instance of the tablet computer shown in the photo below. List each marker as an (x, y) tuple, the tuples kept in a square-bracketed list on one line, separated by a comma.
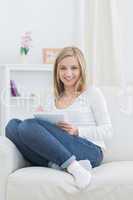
[(51, 117)]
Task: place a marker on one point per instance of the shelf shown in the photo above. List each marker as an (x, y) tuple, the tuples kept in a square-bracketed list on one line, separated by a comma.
[(29, 79), (22, 98), (29, 67)]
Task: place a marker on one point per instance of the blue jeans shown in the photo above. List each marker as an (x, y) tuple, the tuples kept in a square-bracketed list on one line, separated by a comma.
[(41, 142)]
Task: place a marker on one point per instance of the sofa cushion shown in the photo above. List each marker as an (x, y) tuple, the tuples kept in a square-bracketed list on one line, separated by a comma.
[(120, 106), (44, 183)]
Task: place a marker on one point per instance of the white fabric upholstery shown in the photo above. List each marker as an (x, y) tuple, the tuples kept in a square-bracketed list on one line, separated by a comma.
[(112, 180), (10, 161), (120, 147), (42, 183)]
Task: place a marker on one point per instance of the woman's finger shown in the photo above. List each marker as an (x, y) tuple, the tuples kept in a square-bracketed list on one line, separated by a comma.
[(64, 125), (66, 128)]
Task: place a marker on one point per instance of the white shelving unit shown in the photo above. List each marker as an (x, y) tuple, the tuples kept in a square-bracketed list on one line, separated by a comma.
[(34, 83)]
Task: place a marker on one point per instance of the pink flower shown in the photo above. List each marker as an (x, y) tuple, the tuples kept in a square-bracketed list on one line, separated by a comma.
[(25, 42)]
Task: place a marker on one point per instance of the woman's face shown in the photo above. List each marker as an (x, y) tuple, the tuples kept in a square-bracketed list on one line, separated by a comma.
[(69, 71)]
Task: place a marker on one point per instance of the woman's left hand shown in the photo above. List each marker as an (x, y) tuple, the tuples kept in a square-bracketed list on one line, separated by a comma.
[(72, 130)]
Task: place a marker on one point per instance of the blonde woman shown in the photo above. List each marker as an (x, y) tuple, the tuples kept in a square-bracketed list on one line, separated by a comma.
[(67, 143)]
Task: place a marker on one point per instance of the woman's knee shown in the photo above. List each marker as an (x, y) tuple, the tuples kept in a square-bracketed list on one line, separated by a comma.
[(13, 122), (11, 126), (26, 129), (11, 130), (27, 123)]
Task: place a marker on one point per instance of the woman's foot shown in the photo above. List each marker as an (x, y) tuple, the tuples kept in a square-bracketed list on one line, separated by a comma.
[(84, 163), (81, 175)]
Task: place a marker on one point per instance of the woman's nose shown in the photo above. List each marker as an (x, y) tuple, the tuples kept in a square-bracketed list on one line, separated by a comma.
[(68, 72)]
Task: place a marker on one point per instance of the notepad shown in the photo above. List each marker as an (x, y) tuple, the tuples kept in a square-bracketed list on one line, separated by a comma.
[(51, 117)]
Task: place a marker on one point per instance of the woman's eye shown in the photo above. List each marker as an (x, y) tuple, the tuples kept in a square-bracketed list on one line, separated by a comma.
[(62, 68), (74, 67)]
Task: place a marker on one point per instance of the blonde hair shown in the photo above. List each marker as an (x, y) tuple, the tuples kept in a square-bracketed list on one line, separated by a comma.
[(78, 55)]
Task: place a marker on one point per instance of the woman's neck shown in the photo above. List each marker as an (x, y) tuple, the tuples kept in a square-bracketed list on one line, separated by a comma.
[(68, 93), (72, 92)]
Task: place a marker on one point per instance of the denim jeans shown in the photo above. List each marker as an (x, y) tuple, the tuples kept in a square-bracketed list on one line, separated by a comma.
[(41, 142)]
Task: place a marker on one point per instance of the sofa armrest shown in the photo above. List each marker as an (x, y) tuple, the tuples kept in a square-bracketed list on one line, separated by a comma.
[(10, 157), (10, 160)]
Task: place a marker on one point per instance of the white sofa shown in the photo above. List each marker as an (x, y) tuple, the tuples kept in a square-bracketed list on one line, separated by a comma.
[(112, 180)]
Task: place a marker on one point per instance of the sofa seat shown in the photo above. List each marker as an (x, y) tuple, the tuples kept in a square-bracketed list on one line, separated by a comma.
[(112, 180)]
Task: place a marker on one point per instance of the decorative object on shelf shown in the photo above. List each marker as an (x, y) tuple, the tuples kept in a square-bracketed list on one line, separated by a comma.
[(13, 89), (25, 46), (32, 95), (23, 59), (50, 54)]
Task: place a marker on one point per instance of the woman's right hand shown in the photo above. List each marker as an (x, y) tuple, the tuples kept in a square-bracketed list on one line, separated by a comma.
[(72, 130)]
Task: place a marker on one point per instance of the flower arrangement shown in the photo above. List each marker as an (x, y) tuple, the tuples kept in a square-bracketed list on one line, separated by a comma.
[(25, 43)]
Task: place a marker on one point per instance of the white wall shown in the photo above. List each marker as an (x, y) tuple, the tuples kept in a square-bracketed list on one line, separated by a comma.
[(54, 23)]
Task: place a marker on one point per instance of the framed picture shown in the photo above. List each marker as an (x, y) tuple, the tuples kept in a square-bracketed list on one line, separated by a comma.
[(50, 54)]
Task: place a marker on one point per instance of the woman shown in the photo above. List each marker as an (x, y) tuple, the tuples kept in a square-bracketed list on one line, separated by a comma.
[(67, 143)]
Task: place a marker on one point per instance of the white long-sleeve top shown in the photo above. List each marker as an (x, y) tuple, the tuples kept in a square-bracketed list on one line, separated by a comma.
[(89, 113)]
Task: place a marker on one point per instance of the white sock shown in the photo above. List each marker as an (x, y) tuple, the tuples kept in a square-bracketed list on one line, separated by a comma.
[(85, 164), (81, 175)]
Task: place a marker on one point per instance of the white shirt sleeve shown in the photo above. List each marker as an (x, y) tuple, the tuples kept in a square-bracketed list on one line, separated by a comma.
[(103, 128)]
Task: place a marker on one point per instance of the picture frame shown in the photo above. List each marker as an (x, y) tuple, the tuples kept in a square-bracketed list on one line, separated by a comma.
[(50, 54)]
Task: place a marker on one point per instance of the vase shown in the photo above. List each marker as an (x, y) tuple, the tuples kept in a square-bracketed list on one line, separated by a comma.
[(23, 59)]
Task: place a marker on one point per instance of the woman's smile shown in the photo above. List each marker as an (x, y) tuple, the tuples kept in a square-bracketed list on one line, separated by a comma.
[(69, 79)]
